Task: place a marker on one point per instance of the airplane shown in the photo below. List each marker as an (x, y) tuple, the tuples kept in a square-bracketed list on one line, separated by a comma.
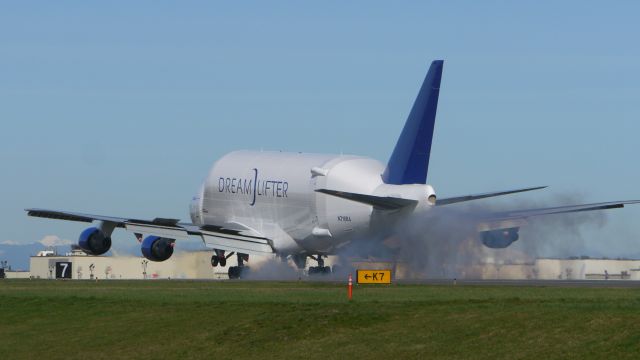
[(308, 206)]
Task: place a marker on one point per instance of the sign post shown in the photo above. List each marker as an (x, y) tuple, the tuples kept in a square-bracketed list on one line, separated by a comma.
[(374, 276)]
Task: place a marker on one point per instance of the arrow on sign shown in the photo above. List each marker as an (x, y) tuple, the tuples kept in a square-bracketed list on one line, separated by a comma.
[(374, 276)]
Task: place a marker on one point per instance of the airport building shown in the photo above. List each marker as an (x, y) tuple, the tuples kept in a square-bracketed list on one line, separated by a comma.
[(197, 265), (558, 269), (78, 265)]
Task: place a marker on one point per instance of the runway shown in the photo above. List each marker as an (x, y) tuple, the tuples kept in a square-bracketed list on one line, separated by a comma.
[(539, 283), (457, 282)]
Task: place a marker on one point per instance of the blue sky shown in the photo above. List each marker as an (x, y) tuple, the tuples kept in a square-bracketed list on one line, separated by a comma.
[(120, 108)]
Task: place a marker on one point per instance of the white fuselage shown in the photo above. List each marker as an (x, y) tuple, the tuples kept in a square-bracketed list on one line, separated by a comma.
[(273, 194)]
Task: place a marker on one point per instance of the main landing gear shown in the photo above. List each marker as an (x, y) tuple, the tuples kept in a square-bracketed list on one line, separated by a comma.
[(235, 272), (219, 258), (240, 271)]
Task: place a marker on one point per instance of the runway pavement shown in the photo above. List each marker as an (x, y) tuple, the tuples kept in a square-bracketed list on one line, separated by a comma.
[(561, 283), (469, 282)]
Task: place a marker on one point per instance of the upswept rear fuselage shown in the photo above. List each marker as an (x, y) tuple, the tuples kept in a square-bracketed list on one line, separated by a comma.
[(274, 194)]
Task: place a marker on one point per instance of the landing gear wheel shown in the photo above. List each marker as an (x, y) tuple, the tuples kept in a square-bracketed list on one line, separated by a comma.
[(219, 258), (319, 270), (238, 272), (234, 272)]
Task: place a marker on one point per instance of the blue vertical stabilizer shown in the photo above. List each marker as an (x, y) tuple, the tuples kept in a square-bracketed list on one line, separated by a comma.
[(409, 161)]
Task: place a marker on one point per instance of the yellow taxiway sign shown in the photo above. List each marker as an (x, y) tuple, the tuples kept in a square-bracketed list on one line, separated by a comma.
[(374, 276)]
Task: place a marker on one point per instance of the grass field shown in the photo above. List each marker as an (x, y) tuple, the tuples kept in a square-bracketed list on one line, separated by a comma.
[(271, 320)]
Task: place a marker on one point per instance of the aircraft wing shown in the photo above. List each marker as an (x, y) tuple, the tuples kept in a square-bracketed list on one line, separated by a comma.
[(523, 214), (232, 238), (457, 199)]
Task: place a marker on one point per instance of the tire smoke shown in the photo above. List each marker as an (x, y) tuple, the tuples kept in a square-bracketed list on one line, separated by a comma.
[(444, 242)]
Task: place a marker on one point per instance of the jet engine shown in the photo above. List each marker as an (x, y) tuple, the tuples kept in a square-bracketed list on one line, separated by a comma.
[(157, 248), (94, 242), (499, 239)]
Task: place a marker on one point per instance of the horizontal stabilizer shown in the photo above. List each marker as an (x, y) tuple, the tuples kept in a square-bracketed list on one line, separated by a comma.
[(457, 199), (380, 202), (523, 214)]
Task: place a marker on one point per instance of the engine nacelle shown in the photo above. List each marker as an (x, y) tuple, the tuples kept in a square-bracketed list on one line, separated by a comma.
[(157, 248), (94, 242), (499, 239)]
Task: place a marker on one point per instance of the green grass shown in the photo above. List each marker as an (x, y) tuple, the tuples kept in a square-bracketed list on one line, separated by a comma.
[(221, 320)]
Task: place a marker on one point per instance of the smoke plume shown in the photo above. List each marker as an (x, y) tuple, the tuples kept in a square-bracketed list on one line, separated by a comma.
[(443, 242), (273, 269)]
